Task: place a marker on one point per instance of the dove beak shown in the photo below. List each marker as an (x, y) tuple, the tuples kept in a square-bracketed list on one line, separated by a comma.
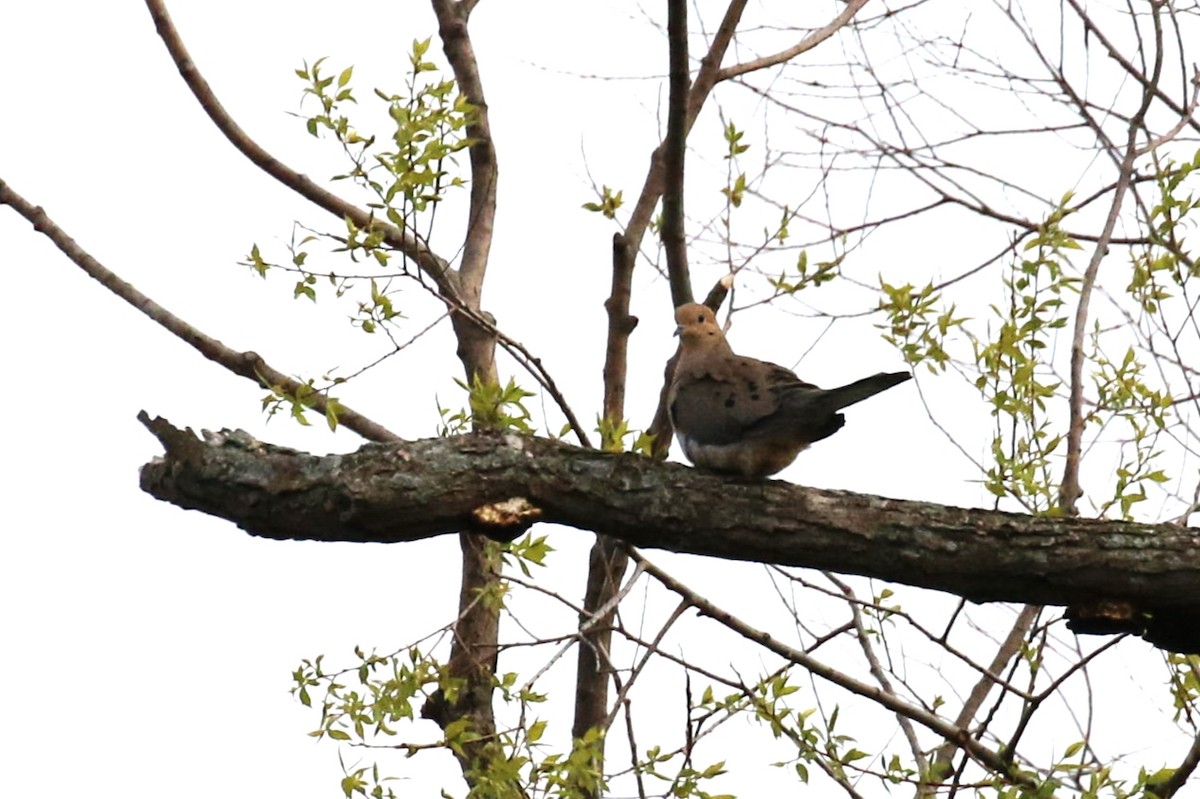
[(678, 330)]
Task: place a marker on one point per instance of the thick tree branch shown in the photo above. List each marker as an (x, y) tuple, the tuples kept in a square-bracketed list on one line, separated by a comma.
[(476, 634), (626, 245), (607, 563), (709, 74), (474, 648), (706, 78), (404, 492)]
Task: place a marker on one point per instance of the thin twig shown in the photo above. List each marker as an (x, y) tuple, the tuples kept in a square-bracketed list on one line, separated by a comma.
[(980, 753), (1149, 86), (587, 625), (652, 649), (803, 46), (1007, 650), (877, 671)]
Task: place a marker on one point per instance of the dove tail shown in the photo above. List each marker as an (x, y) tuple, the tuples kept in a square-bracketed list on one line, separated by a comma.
[(859, 390)]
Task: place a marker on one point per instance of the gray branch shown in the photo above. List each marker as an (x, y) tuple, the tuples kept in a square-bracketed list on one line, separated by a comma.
[(1113, 576)]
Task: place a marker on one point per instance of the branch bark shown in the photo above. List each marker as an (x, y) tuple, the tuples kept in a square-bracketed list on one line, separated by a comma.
[(390, 493), (1183, 772)]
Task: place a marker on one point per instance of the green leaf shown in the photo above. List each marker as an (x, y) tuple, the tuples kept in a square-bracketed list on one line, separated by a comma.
[(353, 783), (333, 410), (257, 263)]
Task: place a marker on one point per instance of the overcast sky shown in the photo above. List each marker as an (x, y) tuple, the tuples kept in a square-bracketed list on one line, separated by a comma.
[(147, 650)]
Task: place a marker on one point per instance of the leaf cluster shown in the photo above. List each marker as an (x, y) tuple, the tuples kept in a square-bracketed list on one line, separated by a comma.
[(490, 406)]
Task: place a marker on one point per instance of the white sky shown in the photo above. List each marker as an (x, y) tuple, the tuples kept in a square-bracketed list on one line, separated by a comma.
[(148, 649)]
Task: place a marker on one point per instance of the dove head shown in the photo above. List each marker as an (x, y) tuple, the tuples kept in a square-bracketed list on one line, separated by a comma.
[(698, 330)]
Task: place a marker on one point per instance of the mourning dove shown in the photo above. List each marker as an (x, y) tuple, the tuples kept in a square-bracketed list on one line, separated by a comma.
[(744, 416)]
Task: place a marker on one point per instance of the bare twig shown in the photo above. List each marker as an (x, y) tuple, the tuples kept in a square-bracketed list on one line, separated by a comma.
[(978, 752), (652, 649), (1007, 650), (585, 626), (986, 674), (1189, 112), (803, 46), (1150, 86), (1031, 706), (876, 669), (531, 363)]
